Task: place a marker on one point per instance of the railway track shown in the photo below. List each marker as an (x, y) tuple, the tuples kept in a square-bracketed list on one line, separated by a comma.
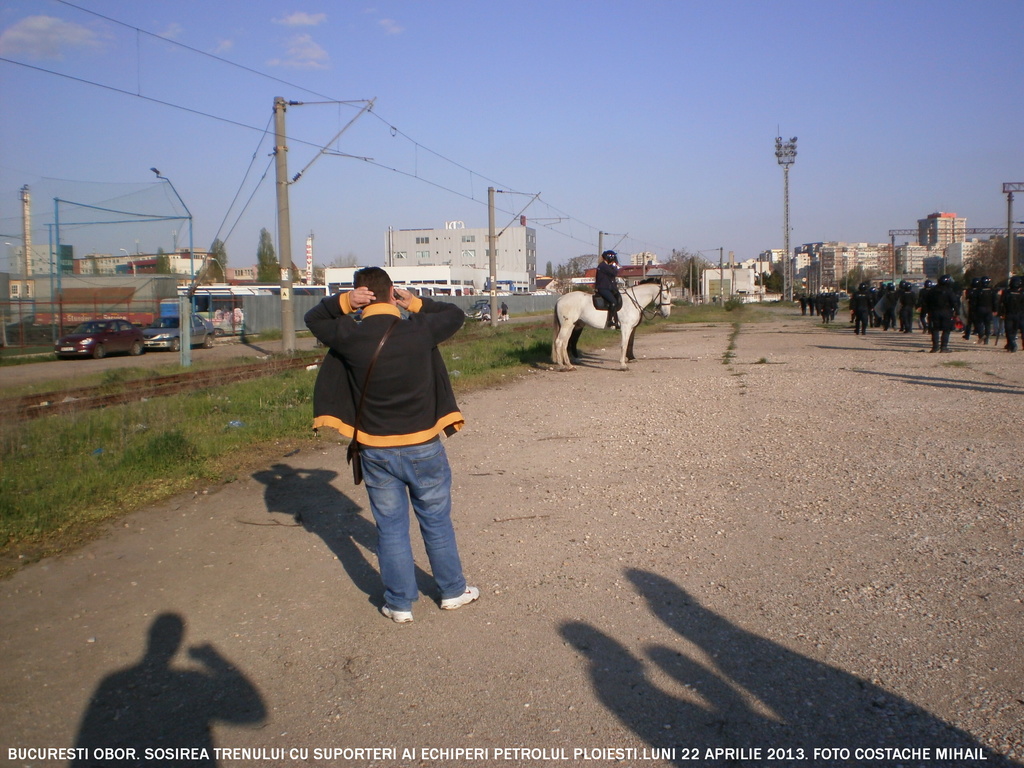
[(79, 399)]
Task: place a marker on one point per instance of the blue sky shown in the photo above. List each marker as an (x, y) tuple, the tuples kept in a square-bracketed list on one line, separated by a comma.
[(651, 121)]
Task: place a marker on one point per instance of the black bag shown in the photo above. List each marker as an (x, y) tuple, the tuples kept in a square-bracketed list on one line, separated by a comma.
[(353, 458), (352, 454)]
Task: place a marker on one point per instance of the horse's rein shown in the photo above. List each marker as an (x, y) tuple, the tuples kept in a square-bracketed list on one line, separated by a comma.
[(643, 310)]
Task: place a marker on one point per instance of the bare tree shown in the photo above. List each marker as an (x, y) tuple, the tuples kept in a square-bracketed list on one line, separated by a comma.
[(988, 260)]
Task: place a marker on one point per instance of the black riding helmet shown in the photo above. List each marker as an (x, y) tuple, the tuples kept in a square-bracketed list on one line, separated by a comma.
[(611, 257)]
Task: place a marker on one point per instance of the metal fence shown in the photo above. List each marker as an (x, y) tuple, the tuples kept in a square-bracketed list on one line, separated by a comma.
[(33, 323), (263, 313), (30, 323)]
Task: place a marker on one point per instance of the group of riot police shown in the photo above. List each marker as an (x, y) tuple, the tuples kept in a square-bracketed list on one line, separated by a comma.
[(981, 309), (825, 305)]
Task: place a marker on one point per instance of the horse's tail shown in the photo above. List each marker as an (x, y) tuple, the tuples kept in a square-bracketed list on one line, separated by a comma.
[(557, 326)]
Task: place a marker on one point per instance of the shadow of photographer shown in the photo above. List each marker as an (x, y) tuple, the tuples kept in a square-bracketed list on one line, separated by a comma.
[(309, 498), (735, 689), (147, 713)]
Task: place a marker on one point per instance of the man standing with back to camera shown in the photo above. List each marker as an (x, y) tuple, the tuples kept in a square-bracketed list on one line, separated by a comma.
[(409, 402)]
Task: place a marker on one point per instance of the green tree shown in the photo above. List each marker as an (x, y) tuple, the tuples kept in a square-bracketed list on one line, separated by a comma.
[(686, 269), (989, 259), (217, 263), (858, 275), (549, 269), (577, 266), (268, 270), (348, 260), (163, 263)]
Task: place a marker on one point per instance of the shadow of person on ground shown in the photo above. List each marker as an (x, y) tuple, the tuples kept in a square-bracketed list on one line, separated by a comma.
[(734, 689), (307, 496), (154, 705)]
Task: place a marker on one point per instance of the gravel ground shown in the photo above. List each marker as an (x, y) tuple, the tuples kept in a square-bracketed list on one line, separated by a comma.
[(810, 545)]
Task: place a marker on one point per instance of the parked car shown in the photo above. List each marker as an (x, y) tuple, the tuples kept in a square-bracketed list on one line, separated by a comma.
[(481, 310), (98, 338), (165, 333)]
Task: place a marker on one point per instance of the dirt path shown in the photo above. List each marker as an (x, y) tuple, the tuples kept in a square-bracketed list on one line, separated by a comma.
[(816, 543)]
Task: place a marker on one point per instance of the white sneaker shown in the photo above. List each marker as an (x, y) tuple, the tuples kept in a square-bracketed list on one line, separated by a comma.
[(400, 617), (451, 603)]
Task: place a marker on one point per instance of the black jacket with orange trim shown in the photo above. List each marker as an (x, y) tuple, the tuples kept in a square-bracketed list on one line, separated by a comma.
[(409, 399)]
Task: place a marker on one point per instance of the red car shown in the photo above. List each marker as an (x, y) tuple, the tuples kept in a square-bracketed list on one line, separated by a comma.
[(98, 338)]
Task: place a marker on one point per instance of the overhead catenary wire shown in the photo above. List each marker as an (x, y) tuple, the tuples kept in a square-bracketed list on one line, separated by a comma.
[(394, 130), (245, 176)]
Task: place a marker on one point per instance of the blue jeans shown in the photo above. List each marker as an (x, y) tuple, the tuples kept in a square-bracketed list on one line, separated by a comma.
[(394, 477)]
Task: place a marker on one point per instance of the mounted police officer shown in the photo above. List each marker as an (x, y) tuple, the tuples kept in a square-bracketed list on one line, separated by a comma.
[(943, 305), (605, 286)]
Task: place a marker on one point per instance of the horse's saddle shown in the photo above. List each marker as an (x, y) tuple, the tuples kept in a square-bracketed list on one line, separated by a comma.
[(601, 304)]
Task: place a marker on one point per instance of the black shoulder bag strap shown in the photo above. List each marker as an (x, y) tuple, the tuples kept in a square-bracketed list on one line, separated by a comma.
[(352, 454)]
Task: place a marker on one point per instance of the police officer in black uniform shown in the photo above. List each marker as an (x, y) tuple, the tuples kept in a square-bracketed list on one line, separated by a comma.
[(943, 305), (968, 296), (907, 303), (926, 326), (983, 306), (1011, 309), (860, 306)]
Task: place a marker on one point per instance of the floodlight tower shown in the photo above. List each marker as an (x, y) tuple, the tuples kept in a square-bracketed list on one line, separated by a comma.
[(1008, 189), (785, 153)]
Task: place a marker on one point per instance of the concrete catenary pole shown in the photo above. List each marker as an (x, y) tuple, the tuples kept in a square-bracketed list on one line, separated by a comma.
[(492, 247), (26, 233), (284, 228)]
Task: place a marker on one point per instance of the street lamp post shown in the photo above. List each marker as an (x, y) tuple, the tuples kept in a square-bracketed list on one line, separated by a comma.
[(184, 302), (785, 154), (128, 256)]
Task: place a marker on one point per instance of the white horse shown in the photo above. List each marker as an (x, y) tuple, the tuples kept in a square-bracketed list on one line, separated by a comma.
[(575, 309)]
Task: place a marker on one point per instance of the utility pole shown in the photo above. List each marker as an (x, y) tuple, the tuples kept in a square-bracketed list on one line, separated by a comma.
[(732, 273), (721, 275), (26, 229), (284, 228), (492, 243)]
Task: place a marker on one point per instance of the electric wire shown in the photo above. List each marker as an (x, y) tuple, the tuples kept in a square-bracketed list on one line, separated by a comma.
[(252, 162), (170, 41), (328, 100)]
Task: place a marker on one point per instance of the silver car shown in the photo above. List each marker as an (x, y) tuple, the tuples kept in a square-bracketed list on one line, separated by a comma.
[(165, 333)]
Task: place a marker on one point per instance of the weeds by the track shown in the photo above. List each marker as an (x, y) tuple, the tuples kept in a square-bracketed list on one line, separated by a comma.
[(63, 475)]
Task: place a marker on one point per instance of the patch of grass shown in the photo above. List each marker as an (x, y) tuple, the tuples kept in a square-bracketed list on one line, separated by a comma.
[(957, 364), (26, 356), (61, 472), (730, 350), (63, 475)]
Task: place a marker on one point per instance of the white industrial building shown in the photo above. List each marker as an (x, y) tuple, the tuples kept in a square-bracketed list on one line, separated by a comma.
[(462, 248), (733, 281), (425, 280)]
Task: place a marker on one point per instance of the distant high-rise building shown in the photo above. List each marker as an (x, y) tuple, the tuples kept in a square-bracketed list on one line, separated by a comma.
[(938, 230)]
